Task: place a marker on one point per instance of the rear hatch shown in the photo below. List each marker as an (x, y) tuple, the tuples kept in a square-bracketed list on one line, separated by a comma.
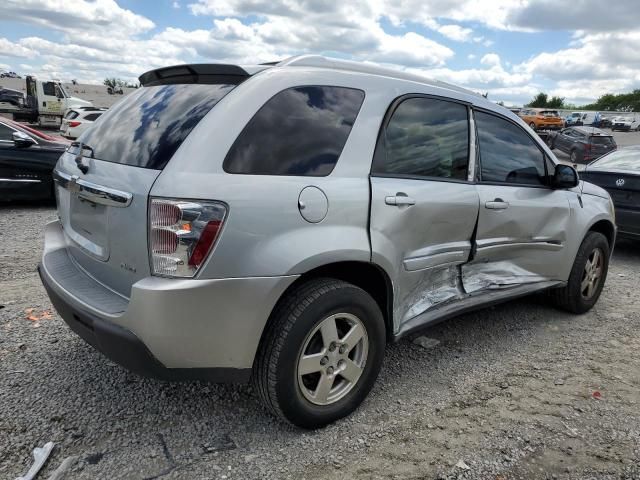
[(104, 179), (601, 144)]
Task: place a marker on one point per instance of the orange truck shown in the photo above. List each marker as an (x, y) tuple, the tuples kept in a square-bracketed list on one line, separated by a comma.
[(542, 118)]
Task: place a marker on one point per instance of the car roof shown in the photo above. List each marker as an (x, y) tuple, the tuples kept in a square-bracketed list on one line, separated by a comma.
[(239, 72), (592, 131)]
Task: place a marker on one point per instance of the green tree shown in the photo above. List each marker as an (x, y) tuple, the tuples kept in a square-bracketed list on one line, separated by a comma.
[(542, 100), (113, 82), (539, 101)]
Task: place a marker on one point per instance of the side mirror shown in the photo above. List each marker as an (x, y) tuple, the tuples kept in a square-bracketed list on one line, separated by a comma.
[(565, 176), (22, 140)]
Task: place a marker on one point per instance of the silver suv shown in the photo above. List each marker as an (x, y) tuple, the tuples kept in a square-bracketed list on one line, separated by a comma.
[(282, 223)]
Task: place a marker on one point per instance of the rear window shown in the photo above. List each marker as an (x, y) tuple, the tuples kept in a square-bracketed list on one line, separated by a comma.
[(549, 113), (147, 127), (299, 131), (71, 114), (602, 140)]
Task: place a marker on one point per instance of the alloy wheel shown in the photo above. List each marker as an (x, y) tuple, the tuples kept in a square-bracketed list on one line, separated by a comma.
[(332, 359), (592, 274)]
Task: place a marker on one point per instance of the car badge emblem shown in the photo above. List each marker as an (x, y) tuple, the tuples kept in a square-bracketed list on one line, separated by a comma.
[(620, 182)]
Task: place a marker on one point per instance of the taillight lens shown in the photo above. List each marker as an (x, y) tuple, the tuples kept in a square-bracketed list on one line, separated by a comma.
[(182, 234), (74, 124)]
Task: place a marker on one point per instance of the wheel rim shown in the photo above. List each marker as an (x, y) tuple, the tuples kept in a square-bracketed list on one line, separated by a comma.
[(332, 359), (592, 274)]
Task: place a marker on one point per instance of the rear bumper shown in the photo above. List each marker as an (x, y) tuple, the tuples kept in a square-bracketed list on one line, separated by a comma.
[(168, 328)]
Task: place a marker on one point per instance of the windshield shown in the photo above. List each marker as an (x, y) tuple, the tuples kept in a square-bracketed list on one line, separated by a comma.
[(619, 160), (63, 91), (147, 127)]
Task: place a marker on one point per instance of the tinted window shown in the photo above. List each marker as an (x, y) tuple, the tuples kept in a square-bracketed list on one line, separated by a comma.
[(71, 115), (6, 133), (300, 131), (620, 160), (426, 137), (92, 117), (602, 140), (507, 154), (146, 127)]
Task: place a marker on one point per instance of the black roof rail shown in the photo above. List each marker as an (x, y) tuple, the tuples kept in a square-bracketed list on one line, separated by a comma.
[(209, 73)]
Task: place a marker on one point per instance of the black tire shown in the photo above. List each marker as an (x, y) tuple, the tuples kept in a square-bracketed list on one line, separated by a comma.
[(294, 318), (570, 297), (533, 126)]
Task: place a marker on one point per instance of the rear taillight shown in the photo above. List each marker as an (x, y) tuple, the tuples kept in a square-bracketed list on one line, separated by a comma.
[(182, 234), (74, 124)]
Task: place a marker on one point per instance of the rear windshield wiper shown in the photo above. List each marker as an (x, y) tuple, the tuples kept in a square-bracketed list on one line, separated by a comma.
[(82, 147)]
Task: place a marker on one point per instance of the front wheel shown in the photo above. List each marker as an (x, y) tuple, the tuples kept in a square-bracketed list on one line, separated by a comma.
[(321, 354), (588, 274)]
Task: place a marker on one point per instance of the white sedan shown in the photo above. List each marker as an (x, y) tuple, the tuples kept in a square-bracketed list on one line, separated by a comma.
[(625, 124), (77, 120)]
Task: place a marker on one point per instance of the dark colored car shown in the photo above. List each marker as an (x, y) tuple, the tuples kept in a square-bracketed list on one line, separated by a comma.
[(27, 159), (619, 174), (582, 144), (11, 97)]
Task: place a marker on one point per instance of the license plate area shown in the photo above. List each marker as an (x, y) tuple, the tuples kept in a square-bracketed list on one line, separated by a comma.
[(88, 224)]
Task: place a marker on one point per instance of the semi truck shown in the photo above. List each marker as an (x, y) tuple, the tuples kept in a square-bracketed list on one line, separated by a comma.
[(45, 102)]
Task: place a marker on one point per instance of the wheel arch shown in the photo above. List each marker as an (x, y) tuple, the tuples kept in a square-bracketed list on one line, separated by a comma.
[(606, 228), (367, 275)]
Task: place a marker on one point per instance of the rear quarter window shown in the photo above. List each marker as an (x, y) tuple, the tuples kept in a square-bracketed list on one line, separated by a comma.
[(92, 117), (300, 131)]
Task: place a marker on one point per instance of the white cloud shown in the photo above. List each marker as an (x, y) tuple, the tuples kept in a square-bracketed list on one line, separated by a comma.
[(11, 49), (104, 15), (456, 32)]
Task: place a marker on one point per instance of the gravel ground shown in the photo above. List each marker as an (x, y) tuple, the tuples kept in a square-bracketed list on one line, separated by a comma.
[(516, 391)]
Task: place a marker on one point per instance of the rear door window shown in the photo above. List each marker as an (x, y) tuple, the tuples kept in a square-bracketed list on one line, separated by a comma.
[(425, 137), (147, 127), (299, 131), (92, 117), (507, 154)]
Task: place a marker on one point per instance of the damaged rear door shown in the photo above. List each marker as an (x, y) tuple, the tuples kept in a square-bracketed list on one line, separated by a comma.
[(423, 208), (521, 236)]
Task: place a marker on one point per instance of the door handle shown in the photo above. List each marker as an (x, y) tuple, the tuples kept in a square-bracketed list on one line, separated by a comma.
[(399, 199), (497, 204)]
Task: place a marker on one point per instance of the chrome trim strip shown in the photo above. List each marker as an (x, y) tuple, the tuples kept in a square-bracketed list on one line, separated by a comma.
[(21, 180), (92, 191)]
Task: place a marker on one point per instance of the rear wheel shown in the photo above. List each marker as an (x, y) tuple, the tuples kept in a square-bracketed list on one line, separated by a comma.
[(588, 275), (532, 125), (321, 354)]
